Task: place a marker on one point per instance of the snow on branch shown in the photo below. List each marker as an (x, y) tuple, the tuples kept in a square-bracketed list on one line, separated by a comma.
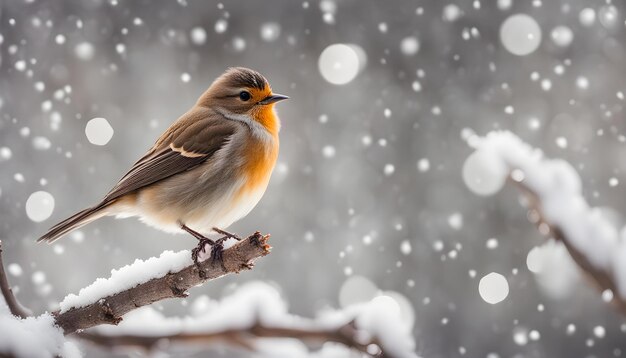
[(252, 318), (25, 336), (256, 310), (553, 192), (146, 282)]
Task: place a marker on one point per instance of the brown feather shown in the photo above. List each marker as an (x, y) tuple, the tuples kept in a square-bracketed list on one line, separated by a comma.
[(199, 139), (160, 163), (214, 189)]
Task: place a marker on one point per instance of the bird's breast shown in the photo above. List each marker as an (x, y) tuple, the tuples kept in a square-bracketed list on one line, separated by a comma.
[(259, 159)]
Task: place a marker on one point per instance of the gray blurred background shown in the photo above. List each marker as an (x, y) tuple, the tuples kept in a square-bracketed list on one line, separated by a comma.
[(364, 167)]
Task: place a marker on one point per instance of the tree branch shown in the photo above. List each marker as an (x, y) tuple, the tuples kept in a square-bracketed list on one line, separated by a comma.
[(601, 279), (346, 335), (14, 306), (109, 310)]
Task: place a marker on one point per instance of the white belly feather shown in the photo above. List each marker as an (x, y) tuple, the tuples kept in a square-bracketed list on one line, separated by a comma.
[(218, 212)]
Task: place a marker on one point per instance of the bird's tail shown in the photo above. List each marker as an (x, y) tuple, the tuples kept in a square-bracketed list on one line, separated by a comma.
[(74, 222)]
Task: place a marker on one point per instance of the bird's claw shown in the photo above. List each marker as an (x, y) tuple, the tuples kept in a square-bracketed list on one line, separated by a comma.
[(195, 253), (217, 251), (217, 246)]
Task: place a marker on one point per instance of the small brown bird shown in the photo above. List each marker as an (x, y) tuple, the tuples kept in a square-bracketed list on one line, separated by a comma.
[(209, 168)]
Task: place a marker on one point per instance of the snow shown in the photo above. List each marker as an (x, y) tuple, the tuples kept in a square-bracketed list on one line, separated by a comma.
[(39, 206), (599, 331), (339, 64), (534, 123), (423, 165), (236, 311), (405, 247), (520, 336), (120, 48), (198, 36), (555, 271), (5, 153), (381, 317), (492, 243), (451, 13), (84, 51), (15, 269), (270, 31), (416, 86), (562, 36), (59, 39), (493, 288), (505, 4), (455, 221), (41, 143), (328, 151), (520, 34), (239, 44), (253, 302), (357, 289), (221, 26), (389, 169), (98, 131), (409, 46), (484, 173), (582, 82), (127, 277), (587, 17), (38, 278), (20, 65), (328, 6), (33, 337), (558, 186), (608, 16)]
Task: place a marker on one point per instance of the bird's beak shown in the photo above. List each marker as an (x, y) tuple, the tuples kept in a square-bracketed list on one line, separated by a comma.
[(273, 98)]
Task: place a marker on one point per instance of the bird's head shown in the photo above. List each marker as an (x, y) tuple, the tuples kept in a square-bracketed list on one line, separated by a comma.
[(241, 93)]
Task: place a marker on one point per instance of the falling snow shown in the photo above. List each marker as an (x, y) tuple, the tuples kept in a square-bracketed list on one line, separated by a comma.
[(372, 198)]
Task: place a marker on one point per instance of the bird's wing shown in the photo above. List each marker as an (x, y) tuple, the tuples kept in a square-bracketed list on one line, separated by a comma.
[(181, 148)]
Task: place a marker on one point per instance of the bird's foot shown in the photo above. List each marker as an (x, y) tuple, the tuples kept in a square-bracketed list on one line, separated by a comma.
[(195, 234), (227, 234), (201, 248), (217, 246), (217, 251), (203, 241)]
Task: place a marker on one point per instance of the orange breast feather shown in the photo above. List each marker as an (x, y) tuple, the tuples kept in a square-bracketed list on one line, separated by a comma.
[(260, 154)]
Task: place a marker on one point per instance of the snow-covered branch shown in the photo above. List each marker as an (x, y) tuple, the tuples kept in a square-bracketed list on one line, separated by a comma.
[(553, 194), (249, 318), (256, 311), (146, 282), (22, 335), (346, 335)]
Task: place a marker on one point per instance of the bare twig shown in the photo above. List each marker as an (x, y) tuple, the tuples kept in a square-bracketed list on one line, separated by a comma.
[(109, 310), (601, 279), (14, 306), (346, 335)]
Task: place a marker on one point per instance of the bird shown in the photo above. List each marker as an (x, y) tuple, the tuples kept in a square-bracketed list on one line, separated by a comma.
[(207, 170)]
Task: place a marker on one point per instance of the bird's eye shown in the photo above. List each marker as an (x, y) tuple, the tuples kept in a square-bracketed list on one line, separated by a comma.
[(244, 96)]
